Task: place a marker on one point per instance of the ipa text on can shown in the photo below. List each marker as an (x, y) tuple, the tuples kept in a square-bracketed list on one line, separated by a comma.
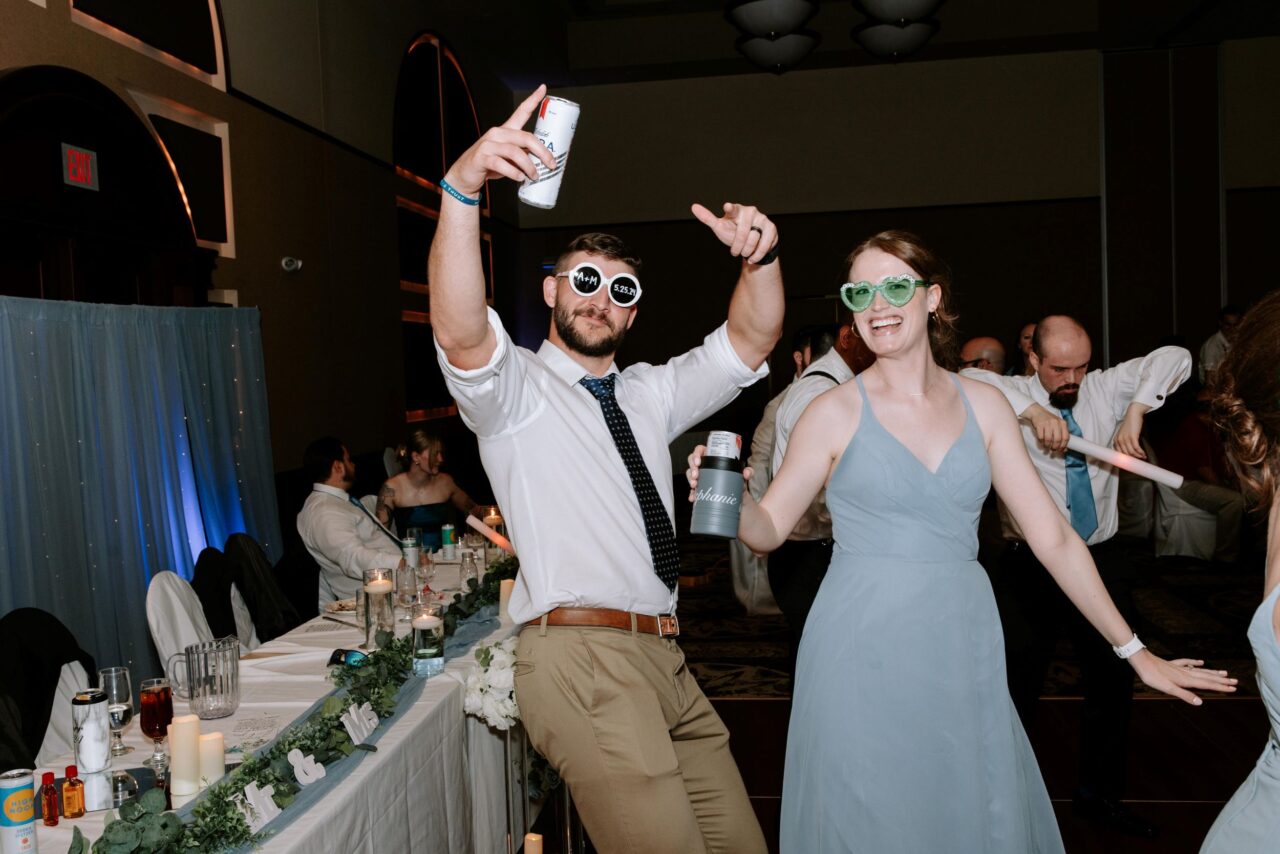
[(557, 120), (17, 812), (718, 500)]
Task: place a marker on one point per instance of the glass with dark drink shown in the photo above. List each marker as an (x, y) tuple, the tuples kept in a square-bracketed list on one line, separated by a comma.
[(156, 700)]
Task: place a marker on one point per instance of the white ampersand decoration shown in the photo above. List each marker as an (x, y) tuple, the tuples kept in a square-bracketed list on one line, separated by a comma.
[(360, 722), (258, 806), (305, 768)]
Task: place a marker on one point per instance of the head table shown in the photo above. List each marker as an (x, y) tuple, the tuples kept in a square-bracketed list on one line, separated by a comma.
[(435, 782)]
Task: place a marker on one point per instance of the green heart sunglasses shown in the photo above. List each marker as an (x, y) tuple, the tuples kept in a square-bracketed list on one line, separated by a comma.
[(897, 291)]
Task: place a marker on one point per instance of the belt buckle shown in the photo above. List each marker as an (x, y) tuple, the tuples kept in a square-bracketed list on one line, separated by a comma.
[(668, 626)]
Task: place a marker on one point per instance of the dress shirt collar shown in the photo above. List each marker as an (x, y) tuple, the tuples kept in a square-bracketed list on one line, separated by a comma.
[(831, 363), (331, 490), (563, 365)]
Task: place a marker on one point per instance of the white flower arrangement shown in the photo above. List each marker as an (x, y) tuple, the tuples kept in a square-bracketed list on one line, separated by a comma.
[(490, 693)]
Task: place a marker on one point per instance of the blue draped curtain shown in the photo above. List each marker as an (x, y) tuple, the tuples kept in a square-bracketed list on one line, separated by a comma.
[(130, 438)]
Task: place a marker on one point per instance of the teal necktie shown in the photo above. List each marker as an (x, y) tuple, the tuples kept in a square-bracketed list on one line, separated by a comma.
[(1084, 516)]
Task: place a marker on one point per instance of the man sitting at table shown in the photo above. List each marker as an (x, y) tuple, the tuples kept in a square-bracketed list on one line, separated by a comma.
[(577, 455), (343, 537)]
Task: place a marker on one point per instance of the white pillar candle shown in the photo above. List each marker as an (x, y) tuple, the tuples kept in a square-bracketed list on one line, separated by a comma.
[(504, 596), (533, 843), (212, 754), (423, 622), (381, 585), (184, 755)]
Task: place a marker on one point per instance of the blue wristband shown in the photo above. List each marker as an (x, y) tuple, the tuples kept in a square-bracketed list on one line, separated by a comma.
[(466, 200)]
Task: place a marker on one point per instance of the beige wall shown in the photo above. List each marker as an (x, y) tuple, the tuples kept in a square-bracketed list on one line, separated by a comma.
[(997, 129)]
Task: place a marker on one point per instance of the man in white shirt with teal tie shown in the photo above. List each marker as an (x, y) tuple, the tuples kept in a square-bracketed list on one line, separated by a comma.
[(1063, 398)]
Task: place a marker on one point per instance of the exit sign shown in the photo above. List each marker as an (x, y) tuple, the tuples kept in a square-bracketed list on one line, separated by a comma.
[(79, 167)]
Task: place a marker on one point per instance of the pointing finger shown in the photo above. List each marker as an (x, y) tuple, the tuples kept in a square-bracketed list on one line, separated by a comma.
[(526, 108)]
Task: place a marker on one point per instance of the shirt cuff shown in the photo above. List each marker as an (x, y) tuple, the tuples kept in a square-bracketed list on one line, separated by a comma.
[(477, 376), (721, 348)]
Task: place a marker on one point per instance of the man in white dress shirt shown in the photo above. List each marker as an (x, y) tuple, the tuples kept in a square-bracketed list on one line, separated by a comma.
[(341, 535), (797, 567), (1215, 347), (1107, 407), (576, 452)]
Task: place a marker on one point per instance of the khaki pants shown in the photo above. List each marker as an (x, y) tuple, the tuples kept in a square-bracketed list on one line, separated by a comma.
[(645, 756)]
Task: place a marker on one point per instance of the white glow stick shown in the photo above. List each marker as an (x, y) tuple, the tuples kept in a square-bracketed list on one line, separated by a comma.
[(1126, 462), (491, 535)]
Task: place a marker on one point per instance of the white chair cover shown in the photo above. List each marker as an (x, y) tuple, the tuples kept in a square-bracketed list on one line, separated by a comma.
[(370, 503), (246, 631), (174, 615), (390, 463), (57, 738)]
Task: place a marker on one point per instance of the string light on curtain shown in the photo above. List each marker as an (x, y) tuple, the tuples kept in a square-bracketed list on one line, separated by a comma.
[(773, 37), (895, 28)]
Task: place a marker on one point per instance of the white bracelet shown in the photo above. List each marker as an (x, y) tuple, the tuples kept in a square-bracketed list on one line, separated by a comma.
[(1130, 648)]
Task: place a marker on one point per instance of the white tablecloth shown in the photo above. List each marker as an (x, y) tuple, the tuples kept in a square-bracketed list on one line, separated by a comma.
[(434, 784)]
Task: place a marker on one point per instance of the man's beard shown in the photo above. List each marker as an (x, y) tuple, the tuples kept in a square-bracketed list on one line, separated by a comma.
[(1064, 397), (574, 340)]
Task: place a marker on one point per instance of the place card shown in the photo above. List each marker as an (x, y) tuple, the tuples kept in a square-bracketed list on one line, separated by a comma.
[(326, 626), (305, 768), (258, 807), (360, 722), (251, 731)]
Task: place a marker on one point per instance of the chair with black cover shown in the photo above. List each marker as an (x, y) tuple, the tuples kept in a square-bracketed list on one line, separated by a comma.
[(42, 668), (298, 575), (273, 613), (217, 581)]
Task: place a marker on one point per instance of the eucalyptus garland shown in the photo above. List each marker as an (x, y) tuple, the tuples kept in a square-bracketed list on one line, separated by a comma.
[(217, 823)]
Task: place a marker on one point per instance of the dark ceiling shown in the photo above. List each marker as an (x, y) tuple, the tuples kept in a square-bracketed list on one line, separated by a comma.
[(590, 42)]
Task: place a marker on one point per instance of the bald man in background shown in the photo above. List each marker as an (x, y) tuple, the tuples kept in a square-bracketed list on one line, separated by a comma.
[(1060, 398), (984, 353)]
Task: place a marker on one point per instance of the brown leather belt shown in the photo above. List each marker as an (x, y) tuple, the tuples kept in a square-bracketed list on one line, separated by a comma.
[(663, 625)]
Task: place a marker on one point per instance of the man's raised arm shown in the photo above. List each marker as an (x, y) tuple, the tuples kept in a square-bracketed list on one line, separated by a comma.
[(459, 316)]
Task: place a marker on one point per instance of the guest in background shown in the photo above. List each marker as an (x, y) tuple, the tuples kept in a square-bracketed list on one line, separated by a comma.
[(750, 570), (338, 531), (1190, 448), (577, 452), (1246, 409), (797, 567), (1215, 347), (1022, 365), (984, 353), (1063, 398), (422, 496)]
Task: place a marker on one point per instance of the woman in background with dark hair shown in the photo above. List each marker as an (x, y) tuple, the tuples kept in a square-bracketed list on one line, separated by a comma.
[(1246, 408), (422, 496), (1021, 366)]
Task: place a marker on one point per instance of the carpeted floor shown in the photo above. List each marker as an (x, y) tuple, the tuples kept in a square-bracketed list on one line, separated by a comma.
[(1187, 608)]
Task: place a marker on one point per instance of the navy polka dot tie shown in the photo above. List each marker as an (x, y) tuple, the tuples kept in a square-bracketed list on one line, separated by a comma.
[(657, 524)]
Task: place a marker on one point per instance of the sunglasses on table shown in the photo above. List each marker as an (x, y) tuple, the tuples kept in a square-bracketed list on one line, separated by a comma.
[(353, 657), (896, 290), (586, 278)]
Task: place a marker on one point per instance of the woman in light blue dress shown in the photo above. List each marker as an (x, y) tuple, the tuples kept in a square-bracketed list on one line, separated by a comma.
[(903, 737), (1246, 408)]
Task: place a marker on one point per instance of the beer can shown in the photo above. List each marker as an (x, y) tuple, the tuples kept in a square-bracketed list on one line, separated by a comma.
[(718, 500), (90, 729), (557, 120), (18, 812)]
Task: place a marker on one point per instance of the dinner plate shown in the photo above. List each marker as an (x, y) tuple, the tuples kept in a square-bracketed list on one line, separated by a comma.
[(342, 606)]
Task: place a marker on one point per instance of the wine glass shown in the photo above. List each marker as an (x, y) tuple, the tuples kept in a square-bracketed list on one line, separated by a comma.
[(156, 699), (406, 590), (114, 681)]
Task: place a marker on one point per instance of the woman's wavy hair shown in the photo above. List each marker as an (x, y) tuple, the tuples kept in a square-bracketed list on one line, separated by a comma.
[(913, 252), (419, 441), (1246, 400)]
